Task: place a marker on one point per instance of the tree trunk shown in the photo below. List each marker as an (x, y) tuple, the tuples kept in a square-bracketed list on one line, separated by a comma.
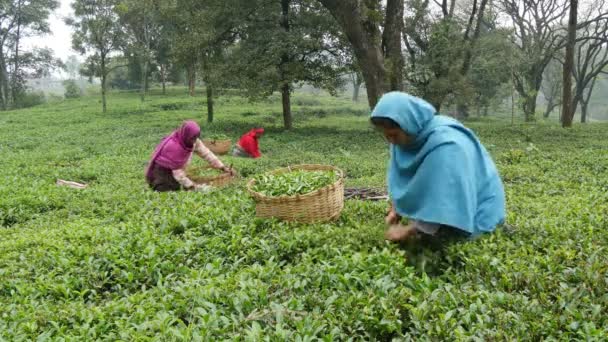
[(15, 79), (512, 106), (529, 106), (471, 41), (103, 93), (584, 112), (567, 105), (576, 100), (163, 78), (357, 81), (391, 41), (286, 99), (435, 99), (144, 79), (452, 7), (550, 106), (528, 89), (364, 36), (463, 110), (585, 101), (209, 103), (4, 91), (103, 83), (191, 79), (285, 59), (147, 80)]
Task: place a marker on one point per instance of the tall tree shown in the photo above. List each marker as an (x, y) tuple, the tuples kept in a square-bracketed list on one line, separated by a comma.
[(357, 81), (567, 105), (441, 40), (552, 86), (199, 34), (72, 66), (353, 70), (97, 31), (287, 42), (537, 34), (391, 44), (20, 19), (591, 59), (361, 22), (182, 22), (283, 67), (141, 19), (162, 53), (490, 71)]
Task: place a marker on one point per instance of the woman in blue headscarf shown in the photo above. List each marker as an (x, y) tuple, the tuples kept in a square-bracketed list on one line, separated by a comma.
[(439, 175)]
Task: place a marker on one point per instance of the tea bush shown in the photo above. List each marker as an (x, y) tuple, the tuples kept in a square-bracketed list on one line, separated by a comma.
[(72, 90), (116, 261)]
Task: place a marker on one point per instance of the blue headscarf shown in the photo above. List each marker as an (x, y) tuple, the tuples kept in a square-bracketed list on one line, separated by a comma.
[(445, 176)]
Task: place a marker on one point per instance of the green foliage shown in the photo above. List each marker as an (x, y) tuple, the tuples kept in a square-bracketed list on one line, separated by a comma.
[(491, 68), (439, 51), (72, 66), (116, 261), (72, 90), (96, 27), (297, 182), (128, 77), (20, 19), (29, 99), (97, 33), (311, 50)]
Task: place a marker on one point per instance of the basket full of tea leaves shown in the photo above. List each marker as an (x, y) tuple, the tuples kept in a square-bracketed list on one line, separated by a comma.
[(303, 193), (210, 176)]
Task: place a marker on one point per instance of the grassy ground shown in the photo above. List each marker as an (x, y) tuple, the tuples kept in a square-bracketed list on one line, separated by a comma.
[(119, 262)]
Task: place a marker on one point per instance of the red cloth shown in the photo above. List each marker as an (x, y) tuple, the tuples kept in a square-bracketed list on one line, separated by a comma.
[(249, 142)]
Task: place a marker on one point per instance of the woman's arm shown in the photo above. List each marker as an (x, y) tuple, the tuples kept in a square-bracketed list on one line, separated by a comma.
[(181, 177), (202, 151), (392, 217)]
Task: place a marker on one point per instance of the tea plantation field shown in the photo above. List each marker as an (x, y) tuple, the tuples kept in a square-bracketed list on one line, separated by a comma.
[(116, 261)]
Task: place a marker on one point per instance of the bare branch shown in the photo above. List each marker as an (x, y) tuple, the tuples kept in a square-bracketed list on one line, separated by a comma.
[(471, 19)]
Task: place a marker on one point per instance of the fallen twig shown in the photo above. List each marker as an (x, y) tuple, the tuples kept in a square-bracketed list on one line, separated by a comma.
[(70, 184)]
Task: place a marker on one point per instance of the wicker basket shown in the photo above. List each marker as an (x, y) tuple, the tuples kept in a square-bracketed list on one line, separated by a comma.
[(215, 181), (321, 205), (218, 146)]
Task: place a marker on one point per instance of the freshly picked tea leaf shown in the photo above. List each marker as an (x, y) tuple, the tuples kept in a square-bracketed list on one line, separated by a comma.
[(292, 183)]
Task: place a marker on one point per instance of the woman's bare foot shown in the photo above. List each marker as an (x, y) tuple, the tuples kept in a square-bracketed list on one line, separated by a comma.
[(399, 232)]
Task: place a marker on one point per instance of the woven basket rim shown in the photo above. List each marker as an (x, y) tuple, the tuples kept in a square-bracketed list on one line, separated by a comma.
[(210, 178), (217, 141), (310, 167)]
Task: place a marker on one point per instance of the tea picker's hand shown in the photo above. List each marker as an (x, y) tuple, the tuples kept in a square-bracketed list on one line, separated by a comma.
[(399, 232), (229, 170), (392, 217), (202, 188)]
